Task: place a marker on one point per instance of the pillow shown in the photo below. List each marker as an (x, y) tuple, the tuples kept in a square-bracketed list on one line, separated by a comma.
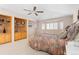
[(63, 35), (77, 37)]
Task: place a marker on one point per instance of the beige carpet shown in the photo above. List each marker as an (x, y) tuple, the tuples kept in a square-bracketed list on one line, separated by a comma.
[(21, 47)]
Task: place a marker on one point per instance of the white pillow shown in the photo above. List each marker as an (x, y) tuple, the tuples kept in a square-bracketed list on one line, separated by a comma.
[(77, 37)]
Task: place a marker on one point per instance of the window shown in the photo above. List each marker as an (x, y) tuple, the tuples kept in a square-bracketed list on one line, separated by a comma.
[(61, 25), (43, 26), (47, 26), (55, 25), (52, 26)]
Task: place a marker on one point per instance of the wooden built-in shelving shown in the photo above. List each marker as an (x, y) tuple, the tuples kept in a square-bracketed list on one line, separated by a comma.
[(5, 29), (20, 28)]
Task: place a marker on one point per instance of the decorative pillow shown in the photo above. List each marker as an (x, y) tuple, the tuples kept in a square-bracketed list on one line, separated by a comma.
[(77, 37), (63, 35)]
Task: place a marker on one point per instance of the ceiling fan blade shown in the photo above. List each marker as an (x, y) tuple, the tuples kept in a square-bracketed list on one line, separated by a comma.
[(27, 10), (34, 8), (40, 11), (29, 13), (36, 14)]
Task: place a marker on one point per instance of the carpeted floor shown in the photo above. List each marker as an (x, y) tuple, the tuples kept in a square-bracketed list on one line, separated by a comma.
[(21, 47)]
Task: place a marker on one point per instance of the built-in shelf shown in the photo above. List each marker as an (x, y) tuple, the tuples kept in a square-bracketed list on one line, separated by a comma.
[(5, 29), (20, 28)]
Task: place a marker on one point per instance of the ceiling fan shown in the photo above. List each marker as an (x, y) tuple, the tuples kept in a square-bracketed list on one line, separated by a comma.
[(34, 11)]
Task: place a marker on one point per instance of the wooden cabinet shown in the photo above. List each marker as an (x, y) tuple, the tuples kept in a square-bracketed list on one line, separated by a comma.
[(8, 38), (20, 29), (5, 38), (2, 38), (24, 35), (17, 36), (5, 29)]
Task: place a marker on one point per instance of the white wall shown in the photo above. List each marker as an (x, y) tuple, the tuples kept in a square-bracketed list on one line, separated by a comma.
[(9, 13), (31, 30), (67, 20), (75, 14)]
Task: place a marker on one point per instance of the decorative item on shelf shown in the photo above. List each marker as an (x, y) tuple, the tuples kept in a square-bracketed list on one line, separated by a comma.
[(23, 23), (2, 20), (0, 23), (7, 21), (4, 31), (0, 29)]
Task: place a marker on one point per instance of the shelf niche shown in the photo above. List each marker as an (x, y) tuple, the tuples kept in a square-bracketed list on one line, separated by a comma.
[(20, 28), (5, 29)]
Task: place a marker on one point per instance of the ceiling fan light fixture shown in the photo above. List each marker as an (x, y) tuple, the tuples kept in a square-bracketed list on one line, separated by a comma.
[(34, 8), (36, 14), (40, 11), (34, 11)]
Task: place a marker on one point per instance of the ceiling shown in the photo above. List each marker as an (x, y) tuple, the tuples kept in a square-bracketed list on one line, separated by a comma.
[(50, 10)]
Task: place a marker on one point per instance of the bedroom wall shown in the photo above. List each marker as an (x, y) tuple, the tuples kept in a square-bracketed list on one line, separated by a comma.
[(66, 19), (31, 30)]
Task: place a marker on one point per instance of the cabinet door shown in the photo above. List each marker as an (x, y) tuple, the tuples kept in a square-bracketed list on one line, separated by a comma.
[(7, 38), (19, 36), (16, 36), (2, 38), (23, 34)]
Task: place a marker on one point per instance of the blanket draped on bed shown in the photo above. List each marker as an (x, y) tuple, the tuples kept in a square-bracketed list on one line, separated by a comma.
[(53, 44)]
